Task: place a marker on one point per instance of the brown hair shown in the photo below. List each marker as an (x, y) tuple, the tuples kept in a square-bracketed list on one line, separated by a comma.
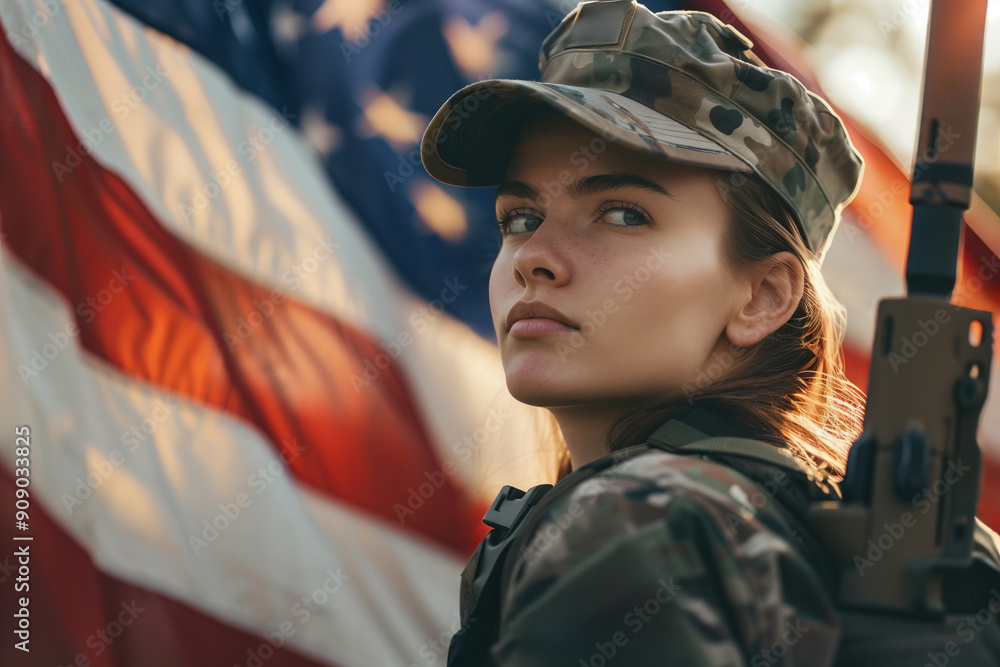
[(790, 387)]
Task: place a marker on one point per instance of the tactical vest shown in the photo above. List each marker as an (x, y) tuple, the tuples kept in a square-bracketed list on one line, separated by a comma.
[(968, 635)]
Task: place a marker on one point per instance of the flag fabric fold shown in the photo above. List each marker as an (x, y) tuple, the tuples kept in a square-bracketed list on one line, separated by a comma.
[(250, 338)]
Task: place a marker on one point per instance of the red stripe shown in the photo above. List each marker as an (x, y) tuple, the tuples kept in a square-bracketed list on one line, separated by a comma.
[(978, 260), (857, 364), (72, 602), (291, 378)]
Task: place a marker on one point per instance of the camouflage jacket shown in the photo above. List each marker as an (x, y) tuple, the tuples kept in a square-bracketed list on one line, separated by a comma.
[(647, 557)]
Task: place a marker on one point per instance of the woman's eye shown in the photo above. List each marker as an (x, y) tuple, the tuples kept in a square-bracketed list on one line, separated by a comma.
[(518, 223), (625, 216), (617, 214)]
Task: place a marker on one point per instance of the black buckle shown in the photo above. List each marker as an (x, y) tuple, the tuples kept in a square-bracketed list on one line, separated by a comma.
[(511, 504), (505, 513)]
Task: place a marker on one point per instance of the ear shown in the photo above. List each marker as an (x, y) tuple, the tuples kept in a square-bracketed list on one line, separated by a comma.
[(775, 291)]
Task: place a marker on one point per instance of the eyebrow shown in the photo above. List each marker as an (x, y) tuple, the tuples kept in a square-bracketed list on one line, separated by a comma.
[(585, 186)]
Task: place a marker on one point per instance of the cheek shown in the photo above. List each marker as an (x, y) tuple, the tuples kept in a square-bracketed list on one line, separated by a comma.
[(682, 310), (500, 279)]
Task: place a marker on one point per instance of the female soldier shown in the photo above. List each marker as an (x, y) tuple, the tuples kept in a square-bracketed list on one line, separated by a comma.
[(665, 204)]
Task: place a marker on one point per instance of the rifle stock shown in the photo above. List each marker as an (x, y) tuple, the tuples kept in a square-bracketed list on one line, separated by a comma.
[(911, 490)]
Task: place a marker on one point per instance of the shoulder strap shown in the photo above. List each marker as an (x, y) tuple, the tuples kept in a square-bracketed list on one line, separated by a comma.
[(675, 435)]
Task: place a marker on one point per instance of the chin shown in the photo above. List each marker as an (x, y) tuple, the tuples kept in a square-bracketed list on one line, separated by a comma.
[(538, 382), (546, 384), (542, 397)]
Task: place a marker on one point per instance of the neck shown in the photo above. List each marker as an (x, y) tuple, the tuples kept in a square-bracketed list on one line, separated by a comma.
[(585, 429)]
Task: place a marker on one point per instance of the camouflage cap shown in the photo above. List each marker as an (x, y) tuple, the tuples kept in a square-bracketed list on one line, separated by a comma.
[(680, 85)]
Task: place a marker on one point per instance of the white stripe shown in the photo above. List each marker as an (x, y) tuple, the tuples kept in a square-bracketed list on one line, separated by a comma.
[(270, 219), (988, 432), (859, 276), (401, 593)]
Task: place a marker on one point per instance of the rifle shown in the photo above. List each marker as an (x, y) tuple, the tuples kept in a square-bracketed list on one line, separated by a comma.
[(907, 514)]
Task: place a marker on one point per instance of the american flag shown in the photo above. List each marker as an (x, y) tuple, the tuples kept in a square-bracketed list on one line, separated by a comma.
[(249, 336)]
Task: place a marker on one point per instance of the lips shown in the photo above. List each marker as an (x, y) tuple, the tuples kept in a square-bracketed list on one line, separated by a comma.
[(538, 311)]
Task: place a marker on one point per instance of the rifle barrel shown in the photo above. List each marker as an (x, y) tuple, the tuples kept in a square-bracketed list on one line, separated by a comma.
[(946, 140)]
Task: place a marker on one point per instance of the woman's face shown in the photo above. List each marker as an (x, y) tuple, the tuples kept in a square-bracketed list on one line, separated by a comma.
[(626, 250)]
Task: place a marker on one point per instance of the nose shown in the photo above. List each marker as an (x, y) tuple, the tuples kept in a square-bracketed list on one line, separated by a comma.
[(544, 257)]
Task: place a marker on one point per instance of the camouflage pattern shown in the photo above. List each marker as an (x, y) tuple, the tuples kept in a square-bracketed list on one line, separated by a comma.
[(662, 559), (680, 85)]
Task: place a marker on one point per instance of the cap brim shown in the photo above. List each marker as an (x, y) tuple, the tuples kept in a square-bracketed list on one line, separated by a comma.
[(470, 139)]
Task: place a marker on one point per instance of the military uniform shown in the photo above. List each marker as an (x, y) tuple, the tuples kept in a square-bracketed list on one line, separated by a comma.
[(655, 557), (651, 557)]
